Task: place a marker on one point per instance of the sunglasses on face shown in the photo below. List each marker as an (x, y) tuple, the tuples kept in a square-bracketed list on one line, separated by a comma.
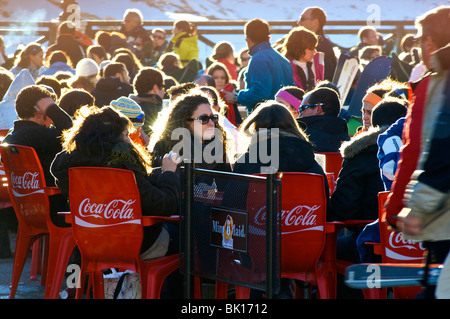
[(157, 37), (205, 118), (302, 108)]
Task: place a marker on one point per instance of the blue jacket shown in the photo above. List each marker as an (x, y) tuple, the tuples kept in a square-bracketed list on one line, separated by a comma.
[(389, 144), (268, 71), (58, 67)]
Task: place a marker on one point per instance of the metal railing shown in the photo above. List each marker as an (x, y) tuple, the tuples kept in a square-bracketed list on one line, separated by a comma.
[(47, 30)]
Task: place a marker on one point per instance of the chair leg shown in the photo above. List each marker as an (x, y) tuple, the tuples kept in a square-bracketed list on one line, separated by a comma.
[(44, 263), (97, 283), (81, 285), (221, 290), (23, 245), (36, 259), (242, 292), (61, 248)]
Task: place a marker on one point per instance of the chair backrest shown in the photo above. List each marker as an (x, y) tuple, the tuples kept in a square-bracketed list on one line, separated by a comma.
[(395, 249), (333, 165), (106, 216), (4, 194), (304, 206), (26, 185), (333, 162)]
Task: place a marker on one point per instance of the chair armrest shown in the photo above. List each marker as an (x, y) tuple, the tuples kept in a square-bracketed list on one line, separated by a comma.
[(331, 227), (49, 191), (356, 222), (67, 215), (376, 247), (152, 220)]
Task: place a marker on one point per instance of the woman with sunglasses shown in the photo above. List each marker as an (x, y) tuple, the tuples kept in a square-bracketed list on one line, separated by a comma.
[(189, 127), (31, 58)]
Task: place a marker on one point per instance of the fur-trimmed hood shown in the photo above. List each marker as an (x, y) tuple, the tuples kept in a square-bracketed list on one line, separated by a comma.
[(359, 143)]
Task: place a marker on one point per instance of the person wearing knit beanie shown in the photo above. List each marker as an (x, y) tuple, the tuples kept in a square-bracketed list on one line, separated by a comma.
[(86, 67), (130, 109), (133, 111)]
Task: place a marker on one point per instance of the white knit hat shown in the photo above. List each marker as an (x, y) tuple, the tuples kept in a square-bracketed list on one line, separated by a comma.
[(86, 67), (130, 109)]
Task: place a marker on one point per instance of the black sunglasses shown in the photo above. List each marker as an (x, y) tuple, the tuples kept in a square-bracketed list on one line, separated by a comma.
[(302, 108), (205, 118)]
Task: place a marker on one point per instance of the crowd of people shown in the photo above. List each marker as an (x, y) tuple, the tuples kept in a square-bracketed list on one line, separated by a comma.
[(126, 98)]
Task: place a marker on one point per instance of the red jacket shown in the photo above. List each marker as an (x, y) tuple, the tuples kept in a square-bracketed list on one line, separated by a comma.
[(410, 151), (232, 69)]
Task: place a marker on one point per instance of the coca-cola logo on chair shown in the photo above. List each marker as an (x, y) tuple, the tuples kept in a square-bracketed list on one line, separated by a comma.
[(26, 184), (298, 219), (404, 249), (115, 212)]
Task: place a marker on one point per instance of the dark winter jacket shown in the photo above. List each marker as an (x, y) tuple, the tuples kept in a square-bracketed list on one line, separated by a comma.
[(359, 181), (151, 105), (45, 140), (294, 155), (159, 192), (139, 42), (68, 44), (330, 60), (108, 89), (325, 132)]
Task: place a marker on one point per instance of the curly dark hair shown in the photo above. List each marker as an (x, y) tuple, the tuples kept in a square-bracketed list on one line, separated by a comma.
[(182, 109), (95, 132), (28, 97)]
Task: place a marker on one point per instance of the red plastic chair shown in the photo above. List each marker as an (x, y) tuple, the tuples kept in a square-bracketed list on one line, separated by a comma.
[(333, 165), (108, 225), (29, 196), (394, 249), (303, 236), (5, 201)]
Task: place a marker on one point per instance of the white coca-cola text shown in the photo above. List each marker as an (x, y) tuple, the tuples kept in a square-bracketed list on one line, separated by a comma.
[(396, 240), (300, 215), (27, 181), (115, 209)]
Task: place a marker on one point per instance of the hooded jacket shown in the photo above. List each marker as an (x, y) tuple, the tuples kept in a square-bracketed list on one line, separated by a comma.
[(359, 181), (325, 132)]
